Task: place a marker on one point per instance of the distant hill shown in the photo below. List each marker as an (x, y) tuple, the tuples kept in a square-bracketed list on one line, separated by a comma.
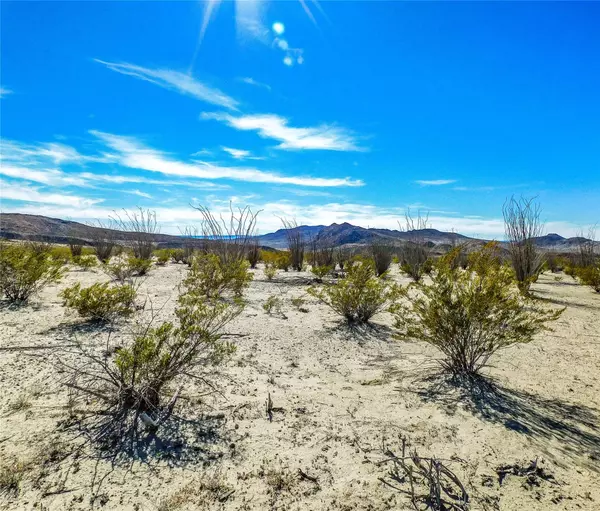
[(348, 234), (54, 230)]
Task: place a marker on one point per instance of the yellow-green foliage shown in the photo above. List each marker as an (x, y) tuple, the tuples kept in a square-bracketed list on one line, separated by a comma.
[(360, 295), (210, 277), (100, 302), (589, 276), (61, 253), (23, 271), (469, 314), (280, 260), (273, 304), (139, 266), (85, 262), (124, 268), (270, 271), (321, 271), (160, 355), (163, 256), (178, 255)]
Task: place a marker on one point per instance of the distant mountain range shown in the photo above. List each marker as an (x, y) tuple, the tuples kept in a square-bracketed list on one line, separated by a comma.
[(19, 226)]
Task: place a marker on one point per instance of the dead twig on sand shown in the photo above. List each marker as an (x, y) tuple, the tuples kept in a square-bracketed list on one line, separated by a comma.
[(443, 490)]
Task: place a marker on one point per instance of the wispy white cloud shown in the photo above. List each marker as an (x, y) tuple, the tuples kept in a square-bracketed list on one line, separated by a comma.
[(4, 92), (32, 162), (241, 154), (50, 177), (435, 182), (174, 80), (132, 154), (139, 193), (272, 126), (25, 193), (17, 152), (255, 83)]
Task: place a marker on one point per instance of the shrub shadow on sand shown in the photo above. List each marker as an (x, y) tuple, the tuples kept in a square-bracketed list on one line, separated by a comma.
[(572, 429)]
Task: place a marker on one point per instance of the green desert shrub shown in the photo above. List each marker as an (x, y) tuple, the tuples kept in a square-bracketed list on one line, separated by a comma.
[(211, 277), (100, 302), (470, 314), (178, 255), (589, 276), (283, 261), (299, 304), (60, 253), (270, 271), (85, 262), (123, 269), (320, 272), (161, 356), (119, 270), (24, 272), (358, 296), (163, 256), (75, 248), (273, 304), (139, 266)]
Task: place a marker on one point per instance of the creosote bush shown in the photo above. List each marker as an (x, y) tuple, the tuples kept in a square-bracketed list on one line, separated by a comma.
[(209, 276), (270, 271), (24, 272), (85, 262), (589, 276), (178, 255), (470, 315), (320, 272), (100, 302), (163, 256), (358, 296), (273, 304)]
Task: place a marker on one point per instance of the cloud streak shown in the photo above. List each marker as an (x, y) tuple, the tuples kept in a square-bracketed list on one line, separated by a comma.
[(133, 154), (176, 81), (26, 193), (325, 137), (435, 182)]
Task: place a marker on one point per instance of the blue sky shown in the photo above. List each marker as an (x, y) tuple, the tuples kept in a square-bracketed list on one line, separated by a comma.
[(331, 112)]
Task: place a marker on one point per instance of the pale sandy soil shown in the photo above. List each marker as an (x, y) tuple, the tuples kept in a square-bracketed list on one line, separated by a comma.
[(344, 397)]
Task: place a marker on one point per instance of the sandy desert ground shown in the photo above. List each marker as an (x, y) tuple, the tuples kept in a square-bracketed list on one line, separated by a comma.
[(342, 397)]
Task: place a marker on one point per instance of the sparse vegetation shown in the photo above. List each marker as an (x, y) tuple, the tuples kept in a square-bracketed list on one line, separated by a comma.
[(295, 240), (320, 272), (209, 276), (228, 239), (589, 276), (85, 262), (140, 229), (163, 256), (270, 271), (253, 253), (24, 272), (12, 472), (415, 251), (470, 315), (522, 225), (102, 239), (100, 302), (358, 296), (274, 304), (382, 256)]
